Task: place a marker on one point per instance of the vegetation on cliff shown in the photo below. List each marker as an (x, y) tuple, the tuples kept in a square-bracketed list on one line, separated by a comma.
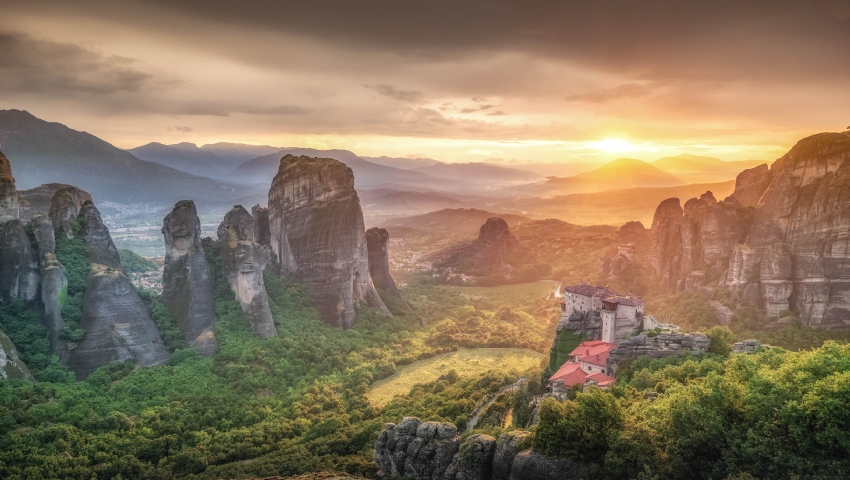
[(135, 263), (74, 256)]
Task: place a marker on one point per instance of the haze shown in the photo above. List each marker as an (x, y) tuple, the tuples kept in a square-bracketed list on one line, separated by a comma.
[(512, 82)]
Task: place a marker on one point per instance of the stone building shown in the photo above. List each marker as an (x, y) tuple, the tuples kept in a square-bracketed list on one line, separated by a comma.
[(620, 315)]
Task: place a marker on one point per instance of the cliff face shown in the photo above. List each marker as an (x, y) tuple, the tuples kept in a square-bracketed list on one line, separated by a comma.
[(117, 323), (11, 366), (65, 205), (19, 271), (377, 244), (53, 281), (798, 247), (781, 241), (187, 288), (9, 209), (262, 232), (317, 234), (243, 262)]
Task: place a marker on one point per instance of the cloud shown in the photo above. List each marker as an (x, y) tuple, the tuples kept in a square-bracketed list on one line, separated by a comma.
[(183, 129), (409, 96), (497, 113), (479, 99), (477, 109), (212, 109), (30, 65), (605, 95)]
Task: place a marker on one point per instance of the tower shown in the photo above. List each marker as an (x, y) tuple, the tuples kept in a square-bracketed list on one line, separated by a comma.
[(609, 321)]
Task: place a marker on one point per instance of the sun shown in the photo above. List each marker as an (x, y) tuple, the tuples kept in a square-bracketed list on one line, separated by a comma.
[(614, 145)]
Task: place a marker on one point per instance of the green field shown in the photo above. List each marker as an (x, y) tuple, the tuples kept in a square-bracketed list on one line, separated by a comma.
[(467, 362), (541, 287)]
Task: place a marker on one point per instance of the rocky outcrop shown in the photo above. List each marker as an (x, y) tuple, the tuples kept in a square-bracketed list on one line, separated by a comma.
[(659, 346), (243, 262), (53, 283), (187, 287), (746, 346), (9, 209), (434, 451), (262, 232), (65, 206), (117, 323), (694, 245), (318, 236), (19, 269), (11, 365), (631, 232), (377, 244), (495, 250), (751, 185)]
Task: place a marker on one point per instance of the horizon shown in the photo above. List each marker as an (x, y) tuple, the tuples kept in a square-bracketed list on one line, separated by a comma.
[(568, 84)]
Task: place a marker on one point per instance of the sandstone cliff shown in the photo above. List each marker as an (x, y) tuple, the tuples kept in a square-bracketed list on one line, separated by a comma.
[(262, 232), (243, 262), (781, 241), (434, 451), (9, 209), (11, 365), (117, 323), (38, 200), (317, 234), (187, 287), (53, 282), (377, 244)]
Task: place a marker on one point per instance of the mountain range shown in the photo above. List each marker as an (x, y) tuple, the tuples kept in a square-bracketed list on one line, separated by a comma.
[(213, 160), (45, 152)]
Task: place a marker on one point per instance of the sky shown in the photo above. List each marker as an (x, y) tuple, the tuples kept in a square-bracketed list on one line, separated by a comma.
[(566, 81)]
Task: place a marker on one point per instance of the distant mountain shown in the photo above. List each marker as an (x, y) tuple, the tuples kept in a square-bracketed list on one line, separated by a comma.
[(698, 169), (483, 173), (239, 152), (456, 220), (44, 152), (400, 200), (403, 163), (615, 175), (186, 157), (262, 170)]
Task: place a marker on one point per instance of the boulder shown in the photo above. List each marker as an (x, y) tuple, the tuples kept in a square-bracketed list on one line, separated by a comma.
[(659, 346), (116, 321), (423, 450), (507, 448), (11, 365), (377, 244), (474, 459), (530, 465), (187, 284), (243, 262), (318, 236)]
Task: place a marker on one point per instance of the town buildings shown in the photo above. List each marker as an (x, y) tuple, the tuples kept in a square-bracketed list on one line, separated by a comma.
[(587, 362)]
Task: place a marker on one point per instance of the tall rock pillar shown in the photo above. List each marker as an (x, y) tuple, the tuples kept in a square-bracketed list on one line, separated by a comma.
[(318, 235), (187, 288), (377, 243)]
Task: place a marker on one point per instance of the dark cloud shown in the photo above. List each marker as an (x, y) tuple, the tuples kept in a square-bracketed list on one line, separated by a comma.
[(30, 65), (604, 95), (409, 96)]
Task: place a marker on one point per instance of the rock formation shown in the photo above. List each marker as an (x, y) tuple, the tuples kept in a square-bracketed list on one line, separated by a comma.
[(19, 269), (659, 346), (53, 282), (187, 287), (494, 250), (11, 365), (243, 262), (377, 244), (37, 200), (262, 233), (781, 240), (9, 209), (65, 206), (434, 451), (117, 323), (317, 234), (631, 232), (751, 185)]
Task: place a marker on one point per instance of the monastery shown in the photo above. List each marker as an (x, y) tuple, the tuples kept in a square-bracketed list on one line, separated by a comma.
[(620, 316)]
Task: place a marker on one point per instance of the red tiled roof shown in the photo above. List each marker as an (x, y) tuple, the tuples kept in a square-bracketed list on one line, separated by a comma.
[(601, 379), (588, 290), (630, 301), (600, 359), (570, 373), (592, 347)]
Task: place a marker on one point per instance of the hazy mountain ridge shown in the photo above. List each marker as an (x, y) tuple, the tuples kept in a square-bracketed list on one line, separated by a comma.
[(45, 152), (474, 172)]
